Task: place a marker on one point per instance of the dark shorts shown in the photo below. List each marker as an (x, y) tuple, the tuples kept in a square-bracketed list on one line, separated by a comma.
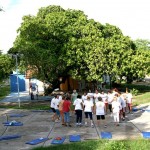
[(100, 117), (88, 114), (53, 109)]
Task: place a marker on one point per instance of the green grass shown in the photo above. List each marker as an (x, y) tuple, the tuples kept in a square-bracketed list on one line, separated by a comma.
[(40, 105), (142, 98), (140, 144), (4, 91)]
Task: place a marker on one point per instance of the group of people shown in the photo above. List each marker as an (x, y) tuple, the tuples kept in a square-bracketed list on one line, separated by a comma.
[(97, 103)]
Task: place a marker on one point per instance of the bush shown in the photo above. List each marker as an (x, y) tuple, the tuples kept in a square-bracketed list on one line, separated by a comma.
[(134, 92)]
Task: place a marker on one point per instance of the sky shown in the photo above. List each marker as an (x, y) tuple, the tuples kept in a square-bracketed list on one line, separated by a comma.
[(131, 16)]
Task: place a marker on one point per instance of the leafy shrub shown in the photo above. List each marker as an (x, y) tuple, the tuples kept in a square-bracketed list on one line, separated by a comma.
[(134, 92)]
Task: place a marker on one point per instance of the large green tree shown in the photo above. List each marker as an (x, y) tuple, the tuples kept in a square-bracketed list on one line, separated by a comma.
[(58, 42), (6, 66)]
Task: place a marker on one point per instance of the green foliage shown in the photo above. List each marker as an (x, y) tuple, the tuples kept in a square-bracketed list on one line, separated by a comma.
[(138, 88), (58, 42), (134, 92), (4, 91), (6, 66)]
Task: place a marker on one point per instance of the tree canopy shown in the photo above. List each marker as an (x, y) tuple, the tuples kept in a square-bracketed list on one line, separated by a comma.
[(58, 42), (6, 66)]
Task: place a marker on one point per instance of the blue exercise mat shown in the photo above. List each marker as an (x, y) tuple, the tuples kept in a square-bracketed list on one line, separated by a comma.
[(74, 138), (106, 135), (8, 137), (11, 123), (37, 141), (146, 135), (147, 110), (17, 115), (135, 109), (58, 141)]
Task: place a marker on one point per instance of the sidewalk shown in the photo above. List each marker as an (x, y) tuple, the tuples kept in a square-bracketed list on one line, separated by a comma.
[(24, 97)]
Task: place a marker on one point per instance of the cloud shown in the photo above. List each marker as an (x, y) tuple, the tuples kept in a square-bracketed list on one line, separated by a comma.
[(130, 16)]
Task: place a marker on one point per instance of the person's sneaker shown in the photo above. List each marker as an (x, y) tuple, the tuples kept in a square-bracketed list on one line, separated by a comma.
[(77, 124), (80, 124), (92, 125), (86, 124), (123, 119)]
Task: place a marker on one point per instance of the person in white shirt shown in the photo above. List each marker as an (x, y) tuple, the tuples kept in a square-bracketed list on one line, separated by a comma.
[(78, 109), (129, 101), (88, 109), (120, 100), (100, 109), (110, 97), (91, 95), (52, 106), (84, 96), (56, 104), (96, 95), (123, 106), (104, 99), (116, 108)]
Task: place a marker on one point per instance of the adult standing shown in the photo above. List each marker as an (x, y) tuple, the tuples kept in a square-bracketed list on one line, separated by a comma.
[(104, 98), (100, 110), (96, 96), (78, 109), (88, 109), (66, 110)]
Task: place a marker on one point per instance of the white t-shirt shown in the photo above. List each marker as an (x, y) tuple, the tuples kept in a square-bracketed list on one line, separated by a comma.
[(100, 106), (84, 97), (104, 97), (56, 103), (60, 97), (129, 98), (77, 104), (110, 98), (116, 107), (53, 103), (88, 106), (91, 95), (96, 95)]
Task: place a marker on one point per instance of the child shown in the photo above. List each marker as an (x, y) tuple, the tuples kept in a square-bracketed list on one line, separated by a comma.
[(88, 109), (66, 110), (78, 109), (100, 111), (116, 109)]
